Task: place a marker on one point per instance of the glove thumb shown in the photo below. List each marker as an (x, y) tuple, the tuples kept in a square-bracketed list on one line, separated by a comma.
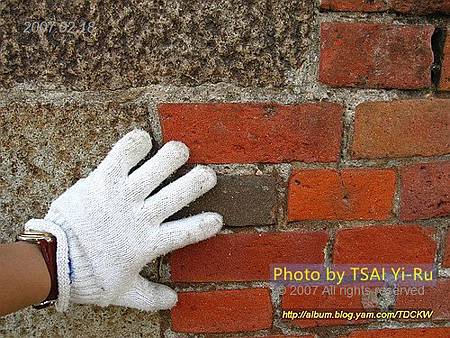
[(148, 296)]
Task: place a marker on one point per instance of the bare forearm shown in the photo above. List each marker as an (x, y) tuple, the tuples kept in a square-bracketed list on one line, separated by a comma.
[(24, 277)]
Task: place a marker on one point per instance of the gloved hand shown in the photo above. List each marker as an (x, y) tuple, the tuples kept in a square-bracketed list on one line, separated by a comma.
[(107, 226)]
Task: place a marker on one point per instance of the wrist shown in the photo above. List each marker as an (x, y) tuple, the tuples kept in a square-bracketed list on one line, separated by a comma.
[(29, 277), (37, 267)]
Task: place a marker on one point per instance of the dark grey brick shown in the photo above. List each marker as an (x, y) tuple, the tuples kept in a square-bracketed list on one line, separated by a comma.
[(242, 200)]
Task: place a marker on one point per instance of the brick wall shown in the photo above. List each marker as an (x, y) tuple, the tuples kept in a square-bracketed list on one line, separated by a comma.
[(328, 123)]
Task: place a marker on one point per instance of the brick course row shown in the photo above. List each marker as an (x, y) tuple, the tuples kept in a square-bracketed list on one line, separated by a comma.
[(310, 132), (416, 7), (248, 256)]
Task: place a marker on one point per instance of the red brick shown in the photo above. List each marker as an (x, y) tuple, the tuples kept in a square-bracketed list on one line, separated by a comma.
[(372, 55), (245, 256), (402, 129), (446, 261), (418, 7), (385, 245), (222, 311), (435, 298), (246, 133), (283, 336), (425, 332), (349, 194), (444, 83), (354, 5), (320, 299), (425, 191)]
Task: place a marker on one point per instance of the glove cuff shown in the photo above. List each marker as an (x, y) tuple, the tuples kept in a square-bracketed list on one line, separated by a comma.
[(62, 259)]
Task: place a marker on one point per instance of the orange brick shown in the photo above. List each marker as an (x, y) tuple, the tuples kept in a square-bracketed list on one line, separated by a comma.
[(255, 132), (385, 245), (435, 298), (402, 129), (446, 262), (349, 194), (245, 256), (222, 311), (319, 299), (425, 191), (374, 55)]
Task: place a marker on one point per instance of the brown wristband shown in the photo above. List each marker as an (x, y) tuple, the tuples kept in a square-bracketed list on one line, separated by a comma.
[(48, 249)]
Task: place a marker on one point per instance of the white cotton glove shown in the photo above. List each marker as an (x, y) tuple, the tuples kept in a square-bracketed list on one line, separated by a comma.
[(108, 227)]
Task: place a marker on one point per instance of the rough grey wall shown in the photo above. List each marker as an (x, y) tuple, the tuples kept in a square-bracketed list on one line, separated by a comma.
[(136, 43)]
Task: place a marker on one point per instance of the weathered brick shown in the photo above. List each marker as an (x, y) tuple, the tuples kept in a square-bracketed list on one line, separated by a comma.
[(284, 336), (446, 261), (402, 129), (245, 256), (348, 194), (418, 7), (372, 55), (425, 191), (444, 83), (320, 299), (242, 200), (222, 311), (385, 245), (138, 43), (435, 298), (423, 332), (354, 5), (252, 132)]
